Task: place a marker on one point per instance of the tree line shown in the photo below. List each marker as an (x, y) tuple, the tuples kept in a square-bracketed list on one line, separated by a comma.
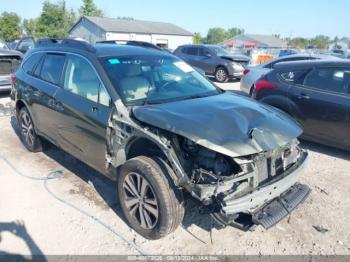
[(219, 35), (54, 21)]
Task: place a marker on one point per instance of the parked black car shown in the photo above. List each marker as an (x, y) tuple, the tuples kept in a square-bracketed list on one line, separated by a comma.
[(22, 44), (214, 60), (150, 121), (316, 93)]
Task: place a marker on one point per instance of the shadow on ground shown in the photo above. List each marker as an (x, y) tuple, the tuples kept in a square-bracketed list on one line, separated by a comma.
[(326, 150), (19, 230)]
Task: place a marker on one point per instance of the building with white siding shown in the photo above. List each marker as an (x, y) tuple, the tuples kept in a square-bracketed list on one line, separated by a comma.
[(165, 35)]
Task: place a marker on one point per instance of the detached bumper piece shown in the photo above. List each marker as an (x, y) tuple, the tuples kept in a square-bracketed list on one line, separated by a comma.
[(281, 207), (270, 214)]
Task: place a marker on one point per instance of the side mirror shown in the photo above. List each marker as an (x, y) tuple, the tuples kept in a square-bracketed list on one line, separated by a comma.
[(208, 55)]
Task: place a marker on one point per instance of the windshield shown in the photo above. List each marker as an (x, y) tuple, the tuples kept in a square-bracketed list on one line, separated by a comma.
[(3, 44), (219, 51), (155, 79)]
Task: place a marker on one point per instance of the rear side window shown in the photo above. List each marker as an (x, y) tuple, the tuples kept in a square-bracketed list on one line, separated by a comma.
[(293, 76), (30, 64), (52, 68), (190, 50), (329, 79)]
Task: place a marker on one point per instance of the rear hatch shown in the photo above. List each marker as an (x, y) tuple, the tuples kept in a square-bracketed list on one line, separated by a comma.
[(8, 65)]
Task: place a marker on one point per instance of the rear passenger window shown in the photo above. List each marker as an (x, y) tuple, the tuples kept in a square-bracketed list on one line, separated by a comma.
[(329, 79), (81, 79), (31, 62), (292, 76), (52, 68), (190, 50)]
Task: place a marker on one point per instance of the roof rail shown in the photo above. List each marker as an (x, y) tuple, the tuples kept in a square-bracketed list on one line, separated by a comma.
[(72, 43), (45, 42)]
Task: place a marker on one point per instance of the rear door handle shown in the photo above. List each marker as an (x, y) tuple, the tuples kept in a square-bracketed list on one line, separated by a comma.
[(303, 96)]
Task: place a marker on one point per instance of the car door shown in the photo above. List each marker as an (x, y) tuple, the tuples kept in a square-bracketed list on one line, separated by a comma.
[(323, 101), (85, 107), (204, 60), (40, 88), (190, 55)]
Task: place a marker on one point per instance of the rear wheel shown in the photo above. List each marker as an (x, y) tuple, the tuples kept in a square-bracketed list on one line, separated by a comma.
[(221, 74), (28, 135), (152, 205)]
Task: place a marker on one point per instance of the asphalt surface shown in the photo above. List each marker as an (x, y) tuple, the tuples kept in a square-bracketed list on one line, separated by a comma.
[(78, 212)]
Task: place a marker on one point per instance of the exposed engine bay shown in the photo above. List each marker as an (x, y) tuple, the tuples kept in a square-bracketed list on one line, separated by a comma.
[(208, 168)]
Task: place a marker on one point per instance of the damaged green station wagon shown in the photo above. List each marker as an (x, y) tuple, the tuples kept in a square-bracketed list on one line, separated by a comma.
[(158, 127)]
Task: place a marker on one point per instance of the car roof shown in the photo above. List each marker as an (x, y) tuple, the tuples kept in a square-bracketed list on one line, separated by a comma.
[(101, 50), (312, 63)]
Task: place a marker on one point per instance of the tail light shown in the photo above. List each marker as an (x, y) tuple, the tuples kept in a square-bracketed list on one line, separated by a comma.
[(263, 84), (246, 71), (13, 79)]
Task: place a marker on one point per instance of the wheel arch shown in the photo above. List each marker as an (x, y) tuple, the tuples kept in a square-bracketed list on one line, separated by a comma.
[(146, 146), (138, 146)]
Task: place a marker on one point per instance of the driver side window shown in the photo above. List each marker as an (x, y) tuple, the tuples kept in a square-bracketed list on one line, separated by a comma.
[(81, 79)]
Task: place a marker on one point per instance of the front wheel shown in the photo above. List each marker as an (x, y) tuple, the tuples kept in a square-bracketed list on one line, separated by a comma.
[(221, 75), (152, 205)]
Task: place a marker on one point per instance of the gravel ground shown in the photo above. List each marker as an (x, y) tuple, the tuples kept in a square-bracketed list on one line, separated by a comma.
[(54, 217)]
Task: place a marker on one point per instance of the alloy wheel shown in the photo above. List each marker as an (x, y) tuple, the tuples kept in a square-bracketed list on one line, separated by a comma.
[(27, 129), (221, 75), (140, 200)]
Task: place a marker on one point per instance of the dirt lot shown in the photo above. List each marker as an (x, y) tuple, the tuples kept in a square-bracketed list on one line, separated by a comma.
[(78, 213)]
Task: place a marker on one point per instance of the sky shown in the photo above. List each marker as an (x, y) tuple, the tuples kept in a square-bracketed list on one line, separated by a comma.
[(305, 18)]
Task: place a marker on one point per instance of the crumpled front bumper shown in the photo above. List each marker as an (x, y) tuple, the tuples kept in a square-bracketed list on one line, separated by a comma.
[(270, 203)]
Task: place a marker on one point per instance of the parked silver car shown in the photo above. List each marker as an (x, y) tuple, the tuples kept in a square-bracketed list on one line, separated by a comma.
[(9, 62), (253, 73), (214, 60)]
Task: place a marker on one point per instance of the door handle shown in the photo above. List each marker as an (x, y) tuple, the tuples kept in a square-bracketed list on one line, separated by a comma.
[(94, 109), (303, 96)]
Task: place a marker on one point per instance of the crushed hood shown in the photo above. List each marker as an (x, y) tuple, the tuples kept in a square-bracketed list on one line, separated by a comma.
[(227, 123)]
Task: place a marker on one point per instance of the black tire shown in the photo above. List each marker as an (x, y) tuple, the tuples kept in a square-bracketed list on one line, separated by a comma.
[(28, 135), (162, 193), (221, 74), (251, 91)]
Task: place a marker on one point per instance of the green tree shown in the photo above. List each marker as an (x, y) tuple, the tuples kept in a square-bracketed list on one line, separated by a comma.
[(29, 26), (197, 38), (215, 35), (298, 42), (234, 31), (90, 9), (320, 42), (55, 20), (10, 26)]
